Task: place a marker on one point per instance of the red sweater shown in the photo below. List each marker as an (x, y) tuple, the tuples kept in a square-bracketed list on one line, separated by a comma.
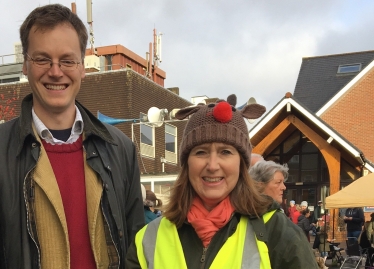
[(68, 166)]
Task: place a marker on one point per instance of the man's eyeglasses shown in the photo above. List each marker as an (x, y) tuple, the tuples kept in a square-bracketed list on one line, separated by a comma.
[(46, 63)]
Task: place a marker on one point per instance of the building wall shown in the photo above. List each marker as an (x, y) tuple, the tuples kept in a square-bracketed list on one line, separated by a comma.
[(351, 116), (122, 57), (124, 94), (120, 94)]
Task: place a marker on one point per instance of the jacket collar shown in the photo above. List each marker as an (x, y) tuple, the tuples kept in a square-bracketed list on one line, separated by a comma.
[(92, 125)]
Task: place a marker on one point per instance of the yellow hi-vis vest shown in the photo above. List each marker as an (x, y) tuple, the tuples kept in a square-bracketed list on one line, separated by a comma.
[(158, 247)]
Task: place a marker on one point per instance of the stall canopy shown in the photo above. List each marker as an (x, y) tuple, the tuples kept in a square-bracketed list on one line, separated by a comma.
[(359, 193)]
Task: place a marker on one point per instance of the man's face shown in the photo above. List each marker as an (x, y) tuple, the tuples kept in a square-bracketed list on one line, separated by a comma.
[(54, 90)]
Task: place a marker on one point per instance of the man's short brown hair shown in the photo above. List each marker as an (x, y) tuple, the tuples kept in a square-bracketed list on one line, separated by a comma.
[(48, 17)]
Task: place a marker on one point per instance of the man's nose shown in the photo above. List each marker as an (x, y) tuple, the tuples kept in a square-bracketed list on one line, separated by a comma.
[(55, 69)]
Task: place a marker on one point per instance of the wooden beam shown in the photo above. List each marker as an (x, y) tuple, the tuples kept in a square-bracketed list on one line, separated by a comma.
[(274, 138)]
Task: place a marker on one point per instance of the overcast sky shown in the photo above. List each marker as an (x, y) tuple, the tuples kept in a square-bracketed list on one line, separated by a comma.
[(252, 48)]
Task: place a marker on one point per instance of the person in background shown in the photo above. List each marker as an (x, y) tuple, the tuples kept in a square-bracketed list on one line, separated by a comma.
[(255, 158), (291, 209), (284, 206), (296, 214), (304, 205), (354, 218), (318, 211), (216, 218), (150, 202), (321, 243), (367, 241), (303, 222), (69, 184), (270, 178)]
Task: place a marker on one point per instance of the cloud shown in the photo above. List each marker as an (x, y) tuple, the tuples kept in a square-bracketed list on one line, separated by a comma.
[(215, 48)]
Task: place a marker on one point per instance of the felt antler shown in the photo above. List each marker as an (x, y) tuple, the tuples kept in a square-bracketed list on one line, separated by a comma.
[(231, 99), (253, 111), (185, 112)]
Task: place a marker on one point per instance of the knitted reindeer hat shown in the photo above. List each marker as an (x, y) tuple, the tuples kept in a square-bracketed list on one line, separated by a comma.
[(219, 122)]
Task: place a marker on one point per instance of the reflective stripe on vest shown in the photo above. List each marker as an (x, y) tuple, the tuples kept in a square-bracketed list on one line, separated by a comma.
[(158, 246)]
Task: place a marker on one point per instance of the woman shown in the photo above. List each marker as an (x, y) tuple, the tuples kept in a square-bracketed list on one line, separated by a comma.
[(215, 217), (151, 201), (270, 178), (296, 214), (291, 209), (303, 222)]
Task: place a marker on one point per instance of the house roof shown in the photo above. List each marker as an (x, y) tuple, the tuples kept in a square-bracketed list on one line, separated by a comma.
[(319, 81), (289, 105)]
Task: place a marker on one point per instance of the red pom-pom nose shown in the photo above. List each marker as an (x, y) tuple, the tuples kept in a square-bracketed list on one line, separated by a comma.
[(222, 112)]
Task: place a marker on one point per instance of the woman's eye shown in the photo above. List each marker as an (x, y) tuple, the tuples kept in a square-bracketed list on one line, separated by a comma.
[(199, 152), (226, 152)]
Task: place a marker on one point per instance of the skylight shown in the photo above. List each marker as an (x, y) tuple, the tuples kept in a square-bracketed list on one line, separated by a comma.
[(349, 68)]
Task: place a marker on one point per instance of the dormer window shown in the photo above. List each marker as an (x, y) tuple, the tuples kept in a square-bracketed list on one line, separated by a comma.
[(349, 68)]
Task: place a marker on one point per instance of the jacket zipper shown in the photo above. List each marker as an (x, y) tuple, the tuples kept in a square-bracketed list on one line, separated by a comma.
[(205, 249), (202, 259), (28, 206)]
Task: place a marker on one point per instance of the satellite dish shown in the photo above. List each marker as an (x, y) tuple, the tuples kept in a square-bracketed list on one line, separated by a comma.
[(251, 100), (156, 116), (173, 112)]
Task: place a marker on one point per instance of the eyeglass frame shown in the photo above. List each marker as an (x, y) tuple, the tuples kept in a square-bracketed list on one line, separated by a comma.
[(51, 63)]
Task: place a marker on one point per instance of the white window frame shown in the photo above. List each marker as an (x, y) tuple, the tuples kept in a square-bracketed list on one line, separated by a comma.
[(146, 149), (169, 155)]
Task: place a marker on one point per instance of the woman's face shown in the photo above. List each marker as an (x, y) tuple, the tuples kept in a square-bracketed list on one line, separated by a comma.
[(213, 170), (275, 187)]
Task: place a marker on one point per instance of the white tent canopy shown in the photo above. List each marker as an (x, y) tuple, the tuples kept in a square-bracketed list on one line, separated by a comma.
[(359, 193)]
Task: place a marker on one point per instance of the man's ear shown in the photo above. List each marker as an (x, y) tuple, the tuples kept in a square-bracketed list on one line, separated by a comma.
[(24, 67), (83, 70)]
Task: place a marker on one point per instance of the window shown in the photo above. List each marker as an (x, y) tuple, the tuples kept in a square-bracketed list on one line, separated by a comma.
[(146, 134), (147, 140), (170, 143), (349, 68), (109, 62), (170, 138)]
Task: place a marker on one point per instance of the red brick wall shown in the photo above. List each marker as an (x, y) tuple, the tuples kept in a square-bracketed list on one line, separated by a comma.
[(352, 116)]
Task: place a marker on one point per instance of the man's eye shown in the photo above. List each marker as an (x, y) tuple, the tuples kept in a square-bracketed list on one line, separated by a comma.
[(42, 61), (67, 62)]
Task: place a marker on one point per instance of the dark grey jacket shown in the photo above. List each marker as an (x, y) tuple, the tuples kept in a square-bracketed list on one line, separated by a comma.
[(287, 245), (109, 152), (304, 224)]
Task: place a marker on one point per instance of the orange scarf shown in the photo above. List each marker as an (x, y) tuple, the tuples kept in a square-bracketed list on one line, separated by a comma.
[(207, 223)]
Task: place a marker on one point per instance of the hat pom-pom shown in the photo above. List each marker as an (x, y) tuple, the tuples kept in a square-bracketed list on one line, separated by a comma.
[(222, 112)]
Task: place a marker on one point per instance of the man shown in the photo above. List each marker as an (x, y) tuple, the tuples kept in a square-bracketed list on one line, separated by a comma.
[(69, 185), (318, 211), (354, 217)]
